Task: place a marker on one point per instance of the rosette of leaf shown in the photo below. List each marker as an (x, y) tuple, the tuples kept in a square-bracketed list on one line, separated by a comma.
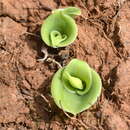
[(75, 87), (60, 29)]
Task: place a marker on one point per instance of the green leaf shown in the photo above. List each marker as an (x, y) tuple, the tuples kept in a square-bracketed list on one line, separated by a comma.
[(74, 82), (57, 37), (60, 29), (72, 11), (67, 95)]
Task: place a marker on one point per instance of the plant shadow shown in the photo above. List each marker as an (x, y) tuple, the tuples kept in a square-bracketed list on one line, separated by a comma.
[(45, 107)]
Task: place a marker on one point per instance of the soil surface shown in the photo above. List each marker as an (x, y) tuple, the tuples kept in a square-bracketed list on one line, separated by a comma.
[(103, 41)]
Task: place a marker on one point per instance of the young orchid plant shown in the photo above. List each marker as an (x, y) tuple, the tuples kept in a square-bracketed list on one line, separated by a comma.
[(75, 87), (60, 29)]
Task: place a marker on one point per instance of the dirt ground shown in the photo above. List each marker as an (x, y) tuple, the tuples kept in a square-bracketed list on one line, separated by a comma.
[(103, 41)]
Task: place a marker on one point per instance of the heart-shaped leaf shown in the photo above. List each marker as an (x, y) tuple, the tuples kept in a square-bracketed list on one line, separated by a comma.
[(57, 37)]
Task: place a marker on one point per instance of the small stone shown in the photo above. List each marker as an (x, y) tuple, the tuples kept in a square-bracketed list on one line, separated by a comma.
[(98, 114)]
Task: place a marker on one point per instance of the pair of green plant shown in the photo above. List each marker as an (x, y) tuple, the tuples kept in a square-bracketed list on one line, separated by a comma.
[(76, 86)]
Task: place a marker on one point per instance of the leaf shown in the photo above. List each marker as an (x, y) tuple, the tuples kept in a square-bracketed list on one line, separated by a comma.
[(76, 68), (68, 99), (60, 29), (57, 37), (72, 11), (73, 81)]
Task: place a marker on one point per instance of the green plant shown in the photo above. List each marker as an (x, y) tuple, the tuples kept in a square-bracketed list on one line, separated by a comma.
[(75, 87), (60, 29)]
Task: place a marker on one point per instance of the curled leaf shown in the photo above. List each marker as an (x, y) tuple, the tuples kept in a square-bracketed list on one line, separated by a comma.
[(76, 87), (60, 29)]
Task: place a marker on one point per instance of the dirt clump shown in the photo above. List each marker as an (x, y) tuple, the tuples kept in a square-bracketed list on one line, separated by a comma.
[(112, 120), (9, 98)]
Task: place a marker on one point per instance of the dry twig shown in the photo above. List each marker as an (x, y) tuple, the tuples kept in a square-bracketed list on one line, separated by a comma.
[(32, 34), (54, 61), (44, 51)]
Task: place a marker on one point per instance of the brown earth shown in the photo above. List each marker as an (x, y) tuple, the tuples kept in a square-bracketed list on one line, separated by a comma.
[(103, 41)]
